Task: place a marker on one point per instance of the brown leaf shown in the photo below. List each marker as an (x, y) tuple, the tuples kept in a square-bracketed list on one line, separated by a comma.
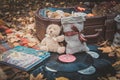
[(116, 63), (112, 78), (1, 36), (3, 76), (38, 77), (118, 75), (4, 25), (2, 22), (32, 77)]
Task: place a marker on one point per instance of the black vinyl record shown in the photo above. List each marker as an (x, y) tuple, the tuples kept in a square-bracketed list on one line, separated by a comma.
[(102, 65), (83, 60)]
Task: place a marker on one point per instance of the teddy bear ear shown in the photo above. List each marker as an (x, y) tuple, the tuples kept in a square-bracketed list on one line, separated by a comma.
[(47, 11)]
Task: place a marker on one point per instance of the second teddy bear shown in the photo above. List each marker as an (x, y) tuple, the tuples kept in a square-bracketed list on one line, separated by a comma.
[(52, 39)]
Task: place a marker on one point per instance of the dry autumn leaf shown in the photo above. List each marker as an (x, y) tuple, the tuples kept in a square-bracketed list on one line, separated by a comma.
[(116, 63), (1, 36), (118, 75), (2, 75), (112, 78), (38, 77), (2, 22), (61, 78), (107, 49)]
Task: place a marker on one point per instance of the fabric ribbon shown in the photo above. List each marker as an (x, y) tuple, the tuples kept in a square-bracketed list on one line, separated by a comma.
[(74, 32)]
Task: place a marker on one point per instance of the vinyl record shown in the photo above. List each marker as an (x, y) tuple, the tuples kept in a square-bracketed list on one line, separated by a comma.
[(85, 67), (93, 54), (94, 48), (83, 60)]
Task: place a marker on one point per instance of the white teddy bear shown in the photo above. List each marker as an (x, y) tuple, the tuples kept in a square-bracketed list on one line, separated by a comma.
[(52, 39)]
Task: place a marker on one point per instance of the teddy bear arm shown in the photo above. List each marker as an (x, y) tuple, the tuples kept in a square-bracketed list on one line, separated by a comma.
[(43, 42), (60, 38), (61, 50), (43, 45)]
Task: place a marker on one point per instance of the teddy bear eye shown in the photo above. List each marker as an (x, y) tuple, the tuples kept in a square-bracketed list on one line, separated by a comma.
[(49, 27)]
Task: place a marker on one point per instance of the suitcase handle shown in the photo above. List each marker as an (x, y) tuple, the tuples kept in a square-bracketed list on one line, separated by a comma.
[(94, 35)]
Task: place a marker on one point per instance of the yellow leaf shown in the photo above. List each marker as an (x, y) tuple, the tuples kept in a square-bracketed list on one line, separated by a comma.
[(2, 22), (32, 77), (39, 76), (61, 78), (106, 49)]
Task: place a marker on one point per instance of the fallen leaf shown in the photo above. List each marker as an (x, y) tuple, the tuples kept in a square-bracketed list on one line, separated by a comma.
[(118, 75), (38, 77), (2, 22), (107, 49), (61, 78), (112, 78)]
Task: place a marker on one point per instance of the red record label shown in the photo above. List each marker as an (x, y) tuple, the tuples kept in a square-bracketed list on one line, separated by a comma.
[(67, 58)]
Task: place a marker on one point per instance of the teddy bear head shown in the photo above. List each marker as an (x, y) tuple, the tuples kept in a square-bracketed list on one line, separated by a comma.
[(53, 30)]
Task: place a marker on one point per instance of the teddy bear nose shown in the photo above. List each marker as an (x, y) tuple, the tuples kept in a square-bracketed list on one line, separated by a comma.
[(50, 31)]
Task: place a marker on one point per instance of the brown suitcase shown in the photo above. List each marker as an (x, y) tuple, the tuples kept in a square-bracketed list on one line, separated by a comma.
[(94, 27), (110, 27)]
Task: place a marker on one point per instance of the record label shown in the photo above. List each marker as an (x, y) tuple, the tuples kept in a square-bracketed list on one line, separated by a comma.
[(67, 58)]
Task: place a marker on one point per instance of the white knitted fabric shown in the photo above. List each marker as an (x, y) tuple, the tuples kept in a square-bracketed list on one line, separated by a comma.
[(73, 43)]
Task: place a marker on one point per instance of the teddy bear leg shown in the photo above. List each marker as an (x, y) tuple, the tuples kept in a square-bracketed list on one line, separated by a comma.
[(61, 50), (45, 48)]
